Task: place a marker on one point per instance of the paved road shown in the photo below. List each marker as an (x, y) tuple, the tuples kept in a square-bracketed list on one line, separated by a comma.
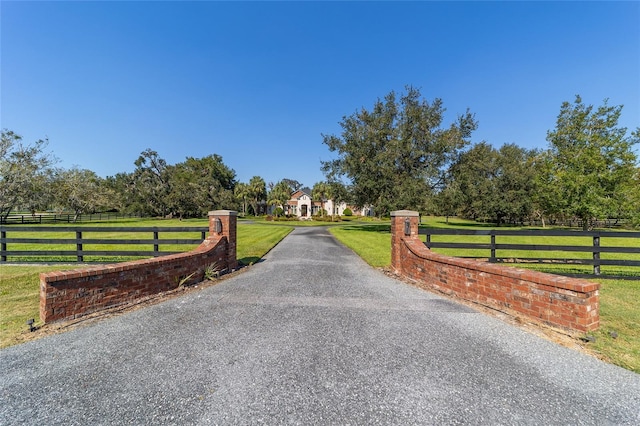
[(312, 335)]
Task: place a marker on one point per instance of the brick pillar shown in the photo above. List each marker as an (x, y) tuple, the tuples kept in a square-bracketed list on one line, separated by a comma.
[(228, 220), (398, 219)]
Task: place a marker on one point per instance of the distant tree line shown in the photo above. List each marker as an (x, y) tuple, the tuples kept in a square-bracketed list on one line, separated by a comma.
[(400, 155), (397, 155), (31, 182)]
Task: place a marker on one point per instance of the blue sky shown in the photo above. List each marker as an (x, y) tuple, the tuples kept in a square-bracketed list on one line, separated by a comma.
[(259, 82)]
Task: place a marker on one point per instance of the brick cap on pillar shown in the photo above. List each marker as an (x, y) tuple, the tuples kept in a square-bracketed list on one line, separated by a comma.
[(405, 213), (223, 213)]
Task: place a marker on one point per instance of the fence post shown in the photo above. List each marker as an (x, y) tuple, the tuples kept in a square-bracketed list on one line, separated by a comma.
[(223, 223), (428, 242), (492, 258), (156, 246), (596, 254), (398, 219), (3, 236), (79, 256)]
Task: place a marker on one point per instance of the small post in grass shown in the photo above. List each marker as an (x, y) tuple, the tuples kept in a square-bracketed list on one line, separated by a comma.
[(4, 244), (156, 246), (79, 256), (596, 254), (492, 258)]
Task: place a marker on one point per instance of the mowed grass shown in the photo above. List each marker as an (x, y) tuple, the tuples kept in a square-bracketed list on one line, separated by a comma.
[(372, 242), (617, 340), (19, 285), (619, 315)]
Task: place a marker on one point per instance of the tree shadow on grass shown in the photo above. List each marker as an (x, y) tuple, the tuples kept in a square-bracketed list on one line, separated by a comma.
[(250, 260), (464, 224), (381, 228)]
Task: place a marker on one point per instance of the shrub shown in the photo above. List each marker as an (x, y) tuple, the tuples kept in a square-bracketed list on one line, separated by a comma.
[(278, 212), (347, 212)]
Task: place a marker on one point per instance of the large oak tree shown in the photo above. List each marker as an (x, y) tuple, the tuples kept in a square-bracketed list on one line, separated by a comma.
[(25, 173), (397, 153), (592, 163)]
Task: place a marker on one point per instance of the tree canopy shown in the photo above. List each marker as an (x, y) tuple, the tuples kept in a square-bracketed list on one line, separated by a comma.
[(279, 194), (592, 162), (25, 171), (199, 185), (589, 172), (81, 191), (398, 152)]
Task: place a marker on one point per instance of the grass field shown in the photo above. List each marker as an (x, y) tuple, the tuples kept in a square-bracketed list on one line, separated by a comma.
[(619, 299), (19, 285)]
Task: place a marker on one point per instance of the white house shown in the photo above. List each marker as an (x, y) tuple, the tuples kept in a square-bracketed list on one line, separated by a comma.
[(304, 207)]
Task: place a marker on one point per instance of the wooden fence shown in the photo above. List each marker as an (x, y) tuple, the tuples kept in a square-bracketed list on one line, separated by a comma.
[(23, 244), (597, 244), (40, 218)]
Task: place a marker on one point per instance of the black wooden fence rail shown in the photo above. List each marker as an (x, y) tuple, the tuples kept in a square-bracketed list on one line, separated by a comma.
[(492, 246), (40, 218), (80, 241)]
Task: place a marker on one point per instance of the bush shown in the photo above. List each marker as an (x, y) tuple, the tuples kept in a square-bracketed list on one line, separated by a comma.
[(278, 212), (347, 212)]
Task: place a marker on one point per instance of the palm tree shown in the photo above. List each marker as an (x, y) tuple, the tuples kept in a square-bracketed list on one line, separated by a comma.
[(321, 191), (279, 195), (241, 192), (257, 193)]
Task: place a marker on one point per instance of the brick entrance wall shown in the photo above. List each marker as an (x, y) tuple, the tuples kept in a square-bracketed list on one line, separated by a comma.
[(67, 295), (563, 302)]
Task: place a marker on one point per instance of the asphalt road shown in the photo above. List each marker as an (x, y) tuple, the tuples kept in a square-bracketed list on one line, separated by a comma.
[(311, 335)]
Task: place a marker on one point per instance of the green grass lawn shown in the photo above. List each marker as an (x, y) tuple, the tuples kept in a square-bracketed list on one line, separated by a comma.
[(619, 313), (19, 285), (372, 242)]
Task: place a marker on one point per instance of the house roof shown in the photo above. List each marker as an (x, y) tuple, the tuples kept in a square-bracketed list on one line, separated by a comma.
[(299, 193)]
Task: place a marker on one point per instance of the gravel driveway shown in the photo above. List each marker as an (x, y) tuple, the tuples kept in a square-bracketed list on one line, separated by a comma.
[(311, 335)]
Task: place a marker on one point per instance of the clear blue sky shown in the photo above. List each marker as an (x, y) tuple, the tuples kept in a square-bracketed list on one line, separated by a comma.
[(258, 82)]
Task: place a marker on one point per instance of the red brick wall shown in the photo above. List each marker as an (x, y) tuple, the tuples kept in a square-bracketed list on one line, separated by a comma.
[(563, 302), (67, 295)]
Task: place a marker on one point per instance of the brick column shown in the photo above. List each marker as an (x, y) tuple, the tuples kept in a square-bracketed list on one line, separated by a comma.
[(228, 220), (398, 219)]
